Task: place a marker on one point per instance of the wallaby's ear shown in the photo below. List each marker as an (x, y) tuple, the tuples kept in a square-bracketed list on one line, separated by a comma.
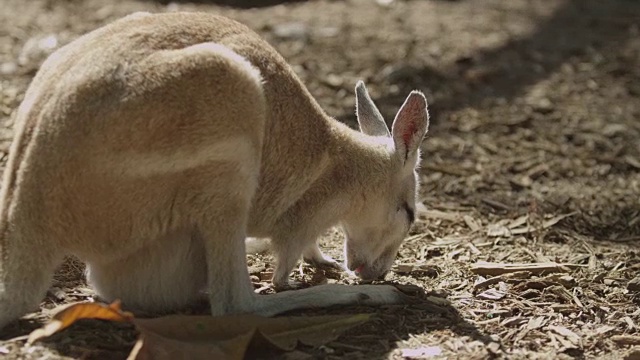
[(369, 118), (410, 125)]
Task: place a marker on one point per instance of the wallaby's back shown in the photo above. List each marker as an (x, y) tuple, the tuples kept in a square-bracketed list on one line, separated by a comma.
[(107, 76)]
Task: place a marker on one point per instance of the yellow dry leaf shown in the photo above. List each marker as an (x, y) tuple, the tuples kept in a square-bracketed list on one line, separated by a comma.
[(72, 313)]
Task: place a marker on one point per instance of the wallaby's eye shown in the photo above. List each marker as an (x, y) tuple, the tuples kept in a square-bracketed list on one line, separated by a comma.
[(410, 213)]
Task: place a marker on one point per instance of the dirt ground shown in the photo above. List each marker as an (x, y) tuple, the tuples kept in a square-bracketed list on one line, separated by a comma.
[(532, 159)]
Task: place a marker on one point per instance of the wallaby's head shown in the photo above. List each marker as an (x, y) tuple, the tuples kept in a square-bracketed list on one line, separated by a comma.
[(374, 232)]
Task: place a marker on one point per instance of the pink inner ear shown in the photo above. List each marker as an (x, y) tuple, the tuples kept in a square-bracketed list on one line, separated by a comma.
[(410, 114), (408, 132)]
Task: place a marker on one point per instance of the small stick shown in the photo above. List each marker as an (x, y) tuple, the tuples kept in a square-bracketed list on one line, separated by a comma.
[(626, 339), (496, 204), (495, 269)]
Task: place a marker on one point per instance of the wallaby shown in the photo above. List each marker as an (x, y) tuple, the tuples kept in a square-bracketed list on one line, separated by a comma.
[(152, 147)]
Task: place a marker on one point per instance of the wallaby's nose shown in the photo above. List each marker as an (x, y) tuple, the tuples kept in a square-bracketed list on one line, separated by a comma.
[(369, 274), (355, 266)]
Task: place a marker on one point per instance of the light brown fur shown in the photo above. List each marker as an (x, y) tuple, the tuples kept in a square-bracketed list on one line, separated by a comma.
[(150, 148)]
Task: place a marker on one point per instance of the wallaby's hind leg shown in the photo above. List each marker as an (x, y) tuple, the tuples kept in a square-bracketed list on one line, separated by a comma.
[(26, 268), (230, 290), (170, 274), (288, 253), (224, 199)]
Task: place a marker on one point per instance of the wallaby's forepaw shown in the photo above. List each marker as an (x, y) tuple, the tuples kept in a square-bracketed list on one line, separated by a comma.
[(325, 263), (314, 256)]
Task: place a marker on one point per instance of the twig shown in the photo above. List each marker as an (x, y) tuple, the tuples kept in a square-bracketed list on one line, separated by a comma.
[(495, 269), (626, 339), (496, 204)]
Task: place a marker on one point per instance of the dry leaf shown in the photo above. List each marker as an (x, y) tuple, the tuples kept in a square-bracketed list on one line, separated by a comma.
[(70, 314), (570, 335), (208, 337), (284, 332), (151, 346)]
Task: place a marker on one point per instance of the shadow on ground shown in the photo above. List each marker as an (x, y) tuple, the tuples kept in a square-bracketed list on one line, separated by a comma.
[(110, 340), (577, 29)]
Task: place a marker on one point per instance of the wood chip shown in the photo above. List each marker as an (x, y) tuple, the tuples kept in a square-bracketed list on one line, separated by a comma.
[(266, 275), (499, 230), (634, 284), (423, 352), (513, 321), (437, 214), (494, 269), (474, 250), (472, 223), (626, 339), (603, 330), (630, 324), (632, 354), (483, 283), (496, 204), (536, 322), (632, 161), (403, 268), (491, 294), (568, 334), (518, 222)]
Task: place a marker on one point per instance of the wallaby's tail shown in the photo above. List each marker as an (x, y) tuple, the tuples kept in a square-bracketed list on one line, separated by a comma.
[(22, 284)]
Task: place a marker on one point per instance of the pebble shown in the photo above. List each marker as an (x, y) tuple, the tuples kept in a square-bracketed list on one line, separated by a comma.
[(8, 68), (543, 106), (291, 31)]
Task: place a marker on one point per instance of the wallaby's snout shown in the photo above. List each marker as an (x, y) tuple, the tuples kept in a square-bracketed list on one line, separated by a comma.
[(375, 231)]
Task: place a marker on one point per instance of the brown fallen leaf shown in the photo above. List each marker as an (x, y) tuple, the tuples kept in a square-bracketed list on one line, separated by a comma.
[(208, 337), (70, 314), (283, 332), (151, 345)]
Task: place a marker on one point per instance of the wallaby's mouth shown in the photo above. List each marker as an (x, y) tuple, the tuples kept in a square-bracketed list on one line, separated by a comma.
[(368, 273), (356, 267)]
